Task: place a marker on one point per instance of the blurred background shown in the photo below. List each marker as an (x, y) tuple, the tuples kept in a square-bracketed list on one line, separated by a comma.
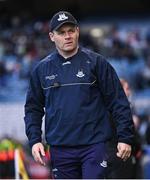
[(120, 30)]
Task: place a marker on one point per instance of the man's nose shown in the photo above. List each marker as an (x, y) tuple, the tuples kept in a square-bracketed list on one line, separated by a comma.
[(67, 35)]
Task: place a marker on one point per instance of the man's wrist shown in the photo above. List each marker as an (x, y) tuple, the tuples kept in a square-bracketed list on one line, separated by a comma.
[(31, 143)]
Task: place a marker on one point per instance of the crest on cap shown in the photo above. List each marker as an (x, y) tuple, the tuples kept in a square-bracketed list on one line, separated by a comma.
[(62, 17)]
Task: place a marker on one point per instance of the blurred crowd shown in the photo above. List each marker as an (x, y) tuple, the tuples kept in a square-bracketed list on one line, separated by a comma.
[(126, 46), (21, 46)]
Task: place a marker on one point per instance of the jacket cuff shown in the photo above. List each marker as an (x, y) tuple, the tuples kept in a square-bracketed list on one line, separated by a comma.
[(31, 143), (127, 141)]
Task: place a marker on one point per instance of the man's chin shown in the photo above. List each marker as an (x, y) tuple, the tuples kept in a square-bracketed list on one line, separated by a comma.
[(70, 49)]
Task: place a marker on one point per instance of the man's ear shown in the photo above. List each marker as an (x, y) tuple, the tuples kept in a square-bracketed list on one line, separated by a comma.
[(51, 36)]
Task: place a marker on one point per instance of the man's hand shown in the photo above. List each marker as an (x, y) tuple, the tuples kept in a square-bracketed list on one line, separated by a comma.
[(38, 152), (124, 151)]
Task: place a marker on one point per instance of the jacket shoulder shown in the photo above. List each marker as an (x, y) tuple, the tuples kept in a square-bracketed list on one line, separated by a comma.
[(93, 56), (47, 59), (43, 62)]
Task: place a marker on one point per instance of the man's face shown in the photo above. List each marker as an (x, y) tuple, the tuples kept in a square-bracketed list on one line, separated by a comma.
[(65, 38)]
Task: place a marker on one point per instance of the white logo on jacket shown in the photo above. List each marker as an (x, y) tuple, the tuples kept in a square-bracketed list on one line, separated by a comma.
[(51, 77), (62, 17), (55, 169), (67, 62), (80, 74), (104, 164), (88, 62)]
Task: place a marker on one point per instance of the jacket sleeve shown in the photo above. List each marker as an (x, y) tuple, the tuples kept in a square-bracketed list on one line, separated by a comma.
[(34, 109), (115, 101)]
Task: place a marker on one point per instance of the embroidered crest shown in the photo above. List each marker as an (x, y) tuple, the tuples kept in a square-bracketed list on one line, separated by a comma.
[(80, 74), (62, 17)]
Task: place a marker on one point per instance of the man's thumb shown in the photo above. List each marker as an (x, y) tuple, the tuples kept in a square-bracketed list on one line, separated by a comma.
[(42, 151)]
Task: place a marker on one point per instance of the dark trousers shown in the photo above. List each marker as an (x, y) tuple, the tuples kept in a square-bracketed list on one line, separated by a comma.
[(87, 162)]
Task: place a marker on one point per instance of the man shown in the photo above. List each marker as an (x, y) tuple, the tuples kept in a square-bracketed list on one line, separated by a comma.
[(79, 90)]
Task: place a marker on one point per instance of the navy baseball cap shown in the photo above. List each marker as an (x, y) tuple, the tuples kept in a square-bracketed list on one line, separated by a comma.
[(60, 18)]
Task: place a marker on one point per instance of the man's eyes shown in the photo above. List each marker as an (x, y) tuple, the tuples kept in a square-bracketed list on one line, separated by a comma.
[(72, 30), (63, 32)]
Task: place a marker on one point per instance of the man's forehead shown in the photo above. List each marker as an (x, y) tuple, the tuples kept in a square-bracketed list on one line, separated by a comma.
[(66, 26)]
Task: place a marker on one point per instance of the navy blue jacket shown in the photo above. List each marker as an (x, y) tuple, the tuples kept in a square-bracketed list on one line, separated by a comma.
[(77, 96)]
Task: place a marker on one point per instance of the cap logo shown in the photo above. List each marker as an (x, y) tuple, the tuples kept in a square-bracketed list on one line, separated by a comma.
[(62, 17)]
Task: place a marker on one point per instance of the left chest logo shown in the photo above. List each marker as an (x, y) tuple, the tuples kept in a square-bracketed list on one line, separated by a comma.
[(80, 74), (51, 77)]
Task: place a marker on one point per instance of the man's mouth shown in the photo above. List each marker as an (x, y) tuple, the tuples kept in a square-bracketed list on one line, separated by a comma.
[(68, 43)]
